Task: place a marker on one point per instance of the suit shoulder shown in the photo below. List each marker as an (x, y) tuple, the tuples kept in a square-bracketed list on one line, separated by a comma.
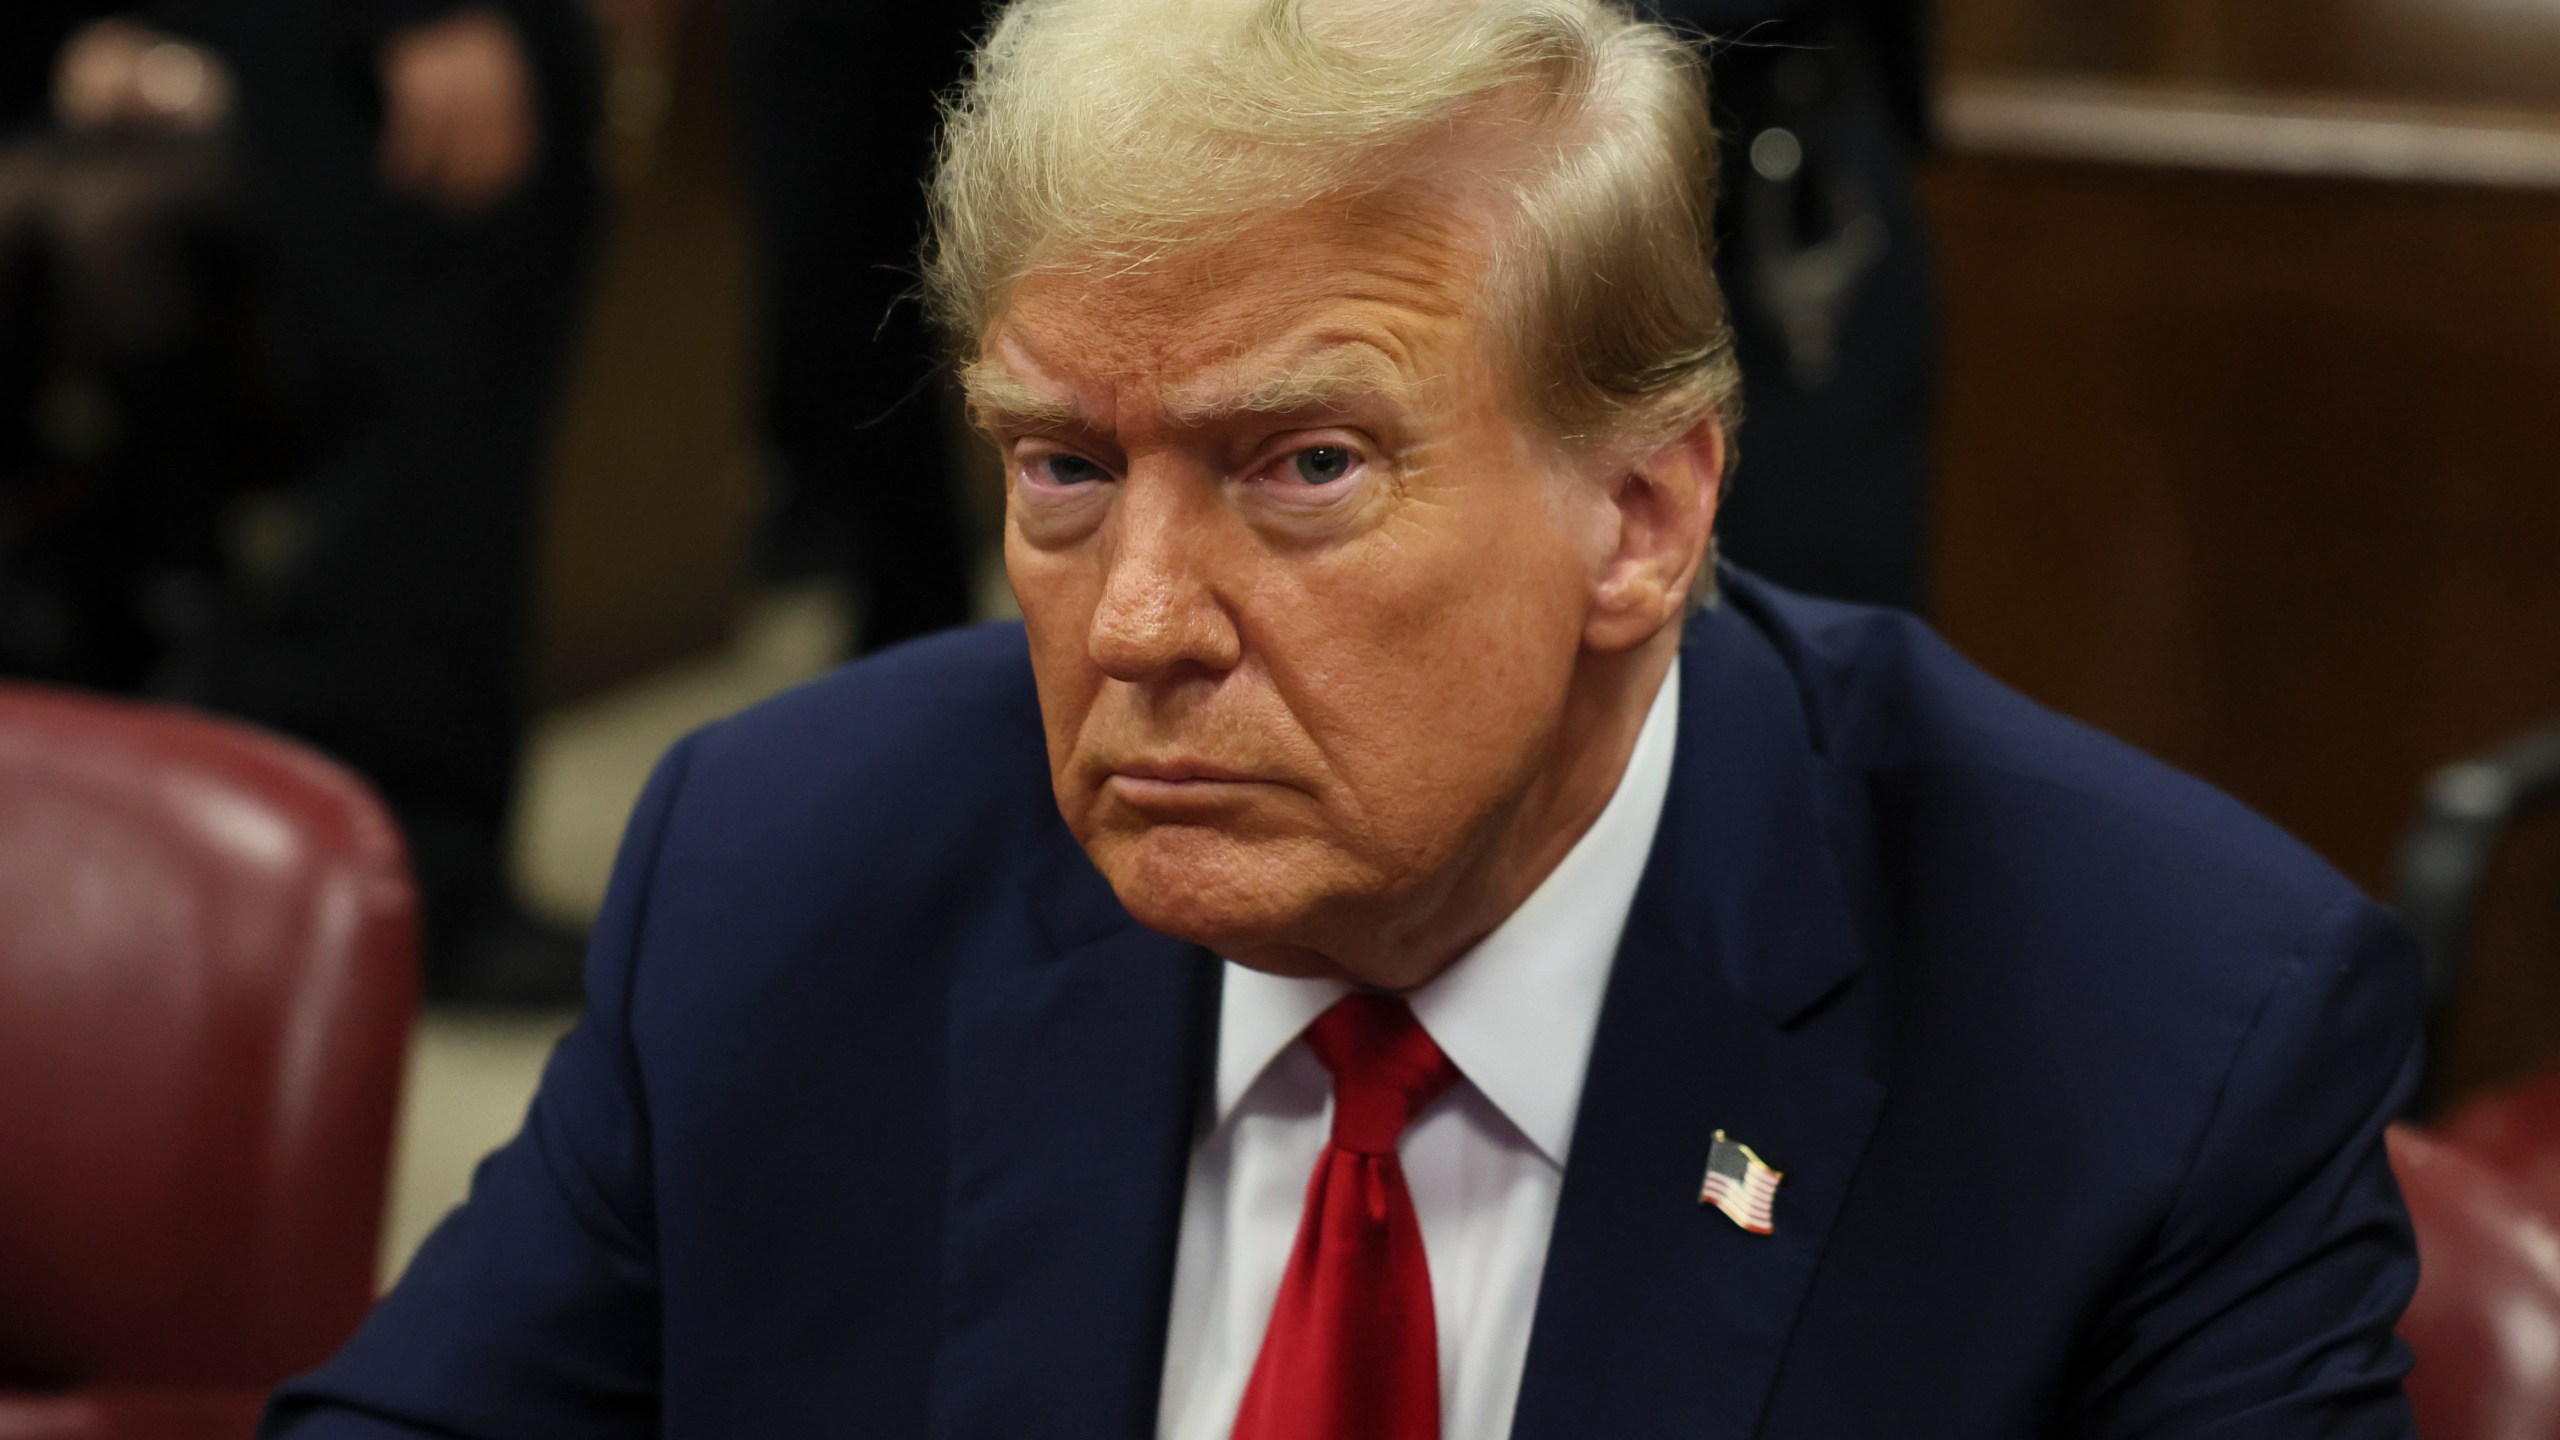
[(930, 740), (2061, 918)]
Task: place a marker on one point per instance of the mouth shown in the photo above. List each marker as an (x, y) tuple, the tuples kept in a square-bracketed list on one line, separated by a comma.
[(1183, 791), (1181, 772)]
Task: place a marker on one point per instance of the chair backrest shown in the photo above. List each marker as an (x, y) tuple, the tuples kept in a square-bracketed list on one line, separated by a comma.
[(207, 977), (2488, 1305), (2516, 1132)]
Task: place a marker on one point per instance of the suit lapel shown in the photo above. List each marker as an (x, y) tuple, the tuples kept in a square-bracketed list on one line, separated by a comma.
[(1073, 1079), (1657, 1316)]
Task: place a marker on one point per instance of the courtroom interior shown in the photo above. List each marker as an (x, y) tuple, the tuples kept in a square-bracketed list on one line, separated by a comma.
[(417, 416)]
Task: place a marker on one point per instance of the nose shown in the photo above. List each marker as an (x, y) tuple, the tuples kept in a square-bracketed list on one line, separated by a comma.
[(1160, 611)]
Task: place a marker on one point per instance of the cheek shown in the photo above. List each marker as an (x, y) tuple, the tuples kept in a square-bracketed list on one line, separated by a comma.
[(1429, 665), (1446, 719), (1057, 593)]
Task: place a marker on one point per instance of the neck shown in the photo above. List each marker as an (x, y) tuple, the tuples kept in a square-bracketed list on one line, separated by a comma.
[(1516, 849)]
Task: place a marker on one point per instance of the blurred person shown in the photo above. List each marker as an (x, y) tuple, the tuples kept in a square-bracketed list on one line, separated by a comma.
[(415, 198), (1822, 106), (835, 107), (1400, 944), (117, 310)]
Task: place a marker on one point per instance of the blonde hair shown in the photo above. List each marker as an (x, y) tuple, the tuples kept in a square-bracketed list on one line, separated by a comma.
[(1100, 136)]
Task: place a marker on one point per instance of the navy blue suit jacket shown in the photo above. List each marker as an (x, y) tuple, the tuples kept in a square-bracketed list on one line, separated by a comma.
[(877, 1120)]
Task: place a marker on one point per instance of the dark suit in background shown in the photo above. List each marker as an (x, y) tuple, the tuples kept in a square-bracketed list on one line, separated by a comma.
[(118, 317), (1824, 254), (880, 1111), (836, 117)]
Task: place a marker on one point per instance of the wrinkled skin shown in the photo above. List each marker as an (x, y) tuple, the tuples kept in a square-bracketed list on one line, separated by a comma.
[(1337, 654)]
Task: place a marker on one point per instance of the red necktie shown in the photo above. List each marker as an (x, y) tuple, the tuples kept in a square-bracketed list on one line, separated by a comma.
[(1352, 1353)]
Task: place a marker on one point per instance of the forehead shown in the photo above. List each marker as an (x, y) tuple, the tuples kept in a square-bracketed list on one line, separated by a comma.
[(1375, 295)]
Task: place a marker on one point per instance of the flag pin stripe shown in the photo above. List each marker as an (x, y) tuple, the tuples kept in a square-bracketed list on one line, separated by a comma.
[(1740, 1184)]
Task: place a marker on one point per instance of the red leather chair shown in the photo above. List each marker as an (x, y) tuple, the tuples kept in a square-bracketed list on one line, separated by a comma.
[(2486, 1321), (2484, 1185), (207, 977), (2516, 1131)]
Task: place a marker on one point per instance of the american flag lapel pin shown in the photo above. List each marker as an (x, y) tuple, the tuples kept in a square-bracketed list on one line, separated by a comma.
[(1740, 1184)]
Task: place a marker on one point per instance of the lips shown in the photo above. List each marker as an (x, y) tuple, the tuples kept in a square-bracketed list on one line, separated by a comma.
[(1177, 772)]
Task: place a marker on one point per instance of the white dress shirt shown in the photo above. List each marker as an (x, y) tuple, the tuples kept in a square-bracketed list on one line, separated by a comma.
[(1485, 1162)]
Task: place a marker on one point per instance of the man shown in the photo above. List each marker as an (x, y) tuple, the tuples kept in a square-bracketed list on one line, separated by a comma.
[(1757, 1024)]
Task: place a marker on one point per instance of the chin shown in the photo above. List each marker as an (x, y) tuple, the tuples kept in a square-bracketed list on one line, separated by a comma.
[(1214, 889)]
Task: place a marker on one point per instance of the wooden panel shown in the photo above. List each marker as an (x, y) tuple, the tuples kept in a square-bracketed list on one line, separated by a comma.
[(2002, 36), (2251, 134), (2470, 51), (2478, 51), (1991, 36), (2255, 473), (2512, 990)]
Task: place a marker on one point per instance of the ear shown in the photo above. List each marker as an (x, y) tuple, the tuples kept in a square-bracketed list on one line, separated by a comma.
[(1664, 508)]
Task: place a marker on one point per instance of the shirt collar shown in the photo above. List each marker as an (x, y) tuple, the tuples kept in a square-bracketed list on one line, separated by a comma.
[(1516, 1014)]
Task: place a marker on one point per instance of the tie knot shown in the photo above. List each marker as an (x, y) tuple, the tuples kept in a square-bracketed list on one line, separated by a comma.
[(1385, 1069)]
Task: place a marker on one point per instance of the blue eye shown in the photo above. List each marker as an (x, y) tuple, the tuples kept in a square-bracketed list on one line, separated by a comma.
[(1320, 464), (1070, 470)]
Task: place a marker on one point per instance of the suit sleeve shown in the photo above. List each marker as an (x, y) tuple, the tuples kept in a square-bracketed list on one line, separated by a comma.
[(2266, 1306), (532, 1312)]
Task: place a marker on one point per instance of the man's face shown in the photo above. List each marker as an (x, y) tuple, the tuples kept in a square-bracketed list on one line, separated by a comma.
[(1305, 592)]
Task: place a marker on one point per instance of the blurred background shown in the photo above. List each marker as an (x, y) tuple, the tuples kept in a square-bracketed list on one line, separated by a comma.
[(483, 394)]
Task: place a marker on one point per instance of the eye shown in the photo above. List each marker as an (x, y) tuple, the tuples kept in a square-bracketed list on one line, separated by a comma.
[(1320, 464), (1064, 469)]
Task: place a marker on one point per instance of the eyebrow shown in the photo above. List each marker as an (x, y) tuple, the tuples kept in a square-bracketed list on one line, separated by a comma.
[(1330, 378), (998, 399)]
